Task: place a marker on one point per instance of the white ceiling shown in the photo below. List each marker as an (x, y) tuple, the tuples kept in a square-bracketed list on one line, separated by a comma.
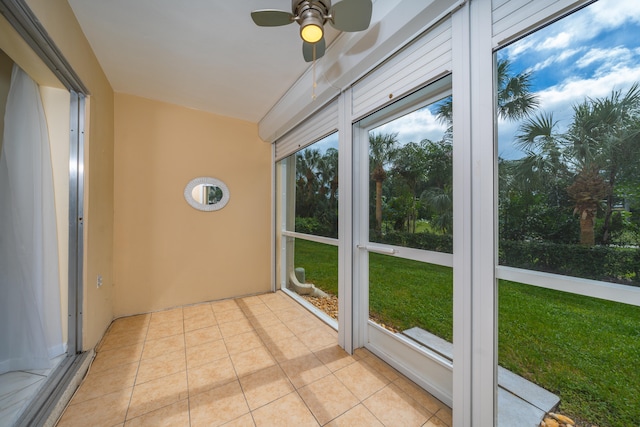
[(202, 54)]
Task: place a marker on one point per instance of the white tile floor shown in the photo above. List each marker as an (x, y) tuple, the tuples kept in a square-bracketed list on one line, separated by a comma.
[(18, 388), (258, 361)]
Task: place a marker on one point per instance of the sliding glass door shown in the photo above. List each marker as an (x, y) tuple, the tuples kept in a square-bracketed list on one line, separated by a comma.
[(404, 233)]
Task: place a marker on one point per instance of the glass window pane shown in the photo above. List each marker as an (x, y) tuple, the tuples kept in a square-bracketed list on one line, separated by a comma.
[(316, 188), (406, 192), (569, 197), (307, 203), (406, 294), (584, 350), (320, 262), (568, 126), (410, 169)]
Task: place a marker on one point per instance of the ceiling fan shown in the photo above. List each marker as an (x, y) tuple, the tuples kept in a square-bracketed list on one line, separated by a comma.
[(311, 15)]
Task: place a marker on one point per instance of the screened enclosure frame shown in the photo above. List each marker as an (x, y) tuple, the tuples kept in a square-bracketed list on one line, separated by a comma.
[(478, 29)]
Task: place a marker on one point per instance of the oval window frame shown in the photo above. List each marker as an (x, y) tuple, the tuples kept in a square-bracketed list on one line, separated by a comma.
[(205, 180)]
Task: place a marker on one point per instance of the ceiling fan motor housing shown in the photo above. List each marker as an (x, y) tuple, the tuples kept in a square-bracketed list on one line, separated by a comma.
[(311, 9)]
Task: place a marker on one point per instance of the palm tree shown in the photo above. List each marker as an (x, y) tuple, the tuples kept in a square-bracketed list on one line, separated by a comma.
[(306, 181), (328, 174), (381, 152), (545, 159), (515, 99), (441, 201), (549, 156), (605, 137), (412, 167), (587, 190), (601, 144)]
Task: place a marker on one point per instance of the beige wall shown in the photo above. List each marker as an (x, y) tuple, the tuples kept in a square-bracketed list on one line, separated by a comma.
[(166, 252), (60, 23)]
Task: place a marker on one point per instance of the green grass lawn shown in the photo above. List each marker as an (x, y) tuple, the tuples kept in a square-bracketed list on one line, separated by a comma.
[(405, 293), (320, 263), (585, 350)]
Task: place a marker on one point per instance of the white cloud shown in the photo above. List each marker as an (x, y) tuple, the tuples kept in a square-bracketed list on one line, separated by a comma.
[(616, 54), (415, 127), (613, 68), (558, 41), (553, 59), (568, 53), (560, 99), (544, 64), (613, 13), (521, 47), (579, 27)]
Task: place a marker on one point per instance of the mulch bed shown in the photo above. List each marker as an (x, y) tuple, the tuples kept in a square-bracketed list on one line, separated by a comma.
[(330, 306), (327, 304)]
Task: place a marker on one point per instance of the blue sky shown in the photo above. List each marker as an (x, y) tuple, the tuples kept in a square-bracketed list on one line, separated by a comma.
[(587, 54), (413, 127), (416, 126), (330, 141)]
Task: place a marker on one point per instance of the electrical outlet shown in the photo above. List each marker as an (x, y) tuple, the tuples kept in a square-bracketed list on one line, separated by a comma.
[(99, 281)]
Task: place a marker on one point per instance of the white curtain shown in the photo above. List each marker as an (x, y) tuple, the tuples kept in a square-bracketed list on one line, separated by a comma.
[(30, 324)]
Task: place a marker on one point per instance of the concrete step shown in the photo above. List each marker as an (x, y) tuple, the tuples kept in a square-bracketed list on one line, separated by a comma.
[(519, 400)]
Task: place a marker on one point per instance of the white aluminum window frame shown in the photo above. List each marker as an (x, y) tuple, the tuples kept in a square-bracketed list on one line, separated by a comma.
[(479, 28), (410, 358)]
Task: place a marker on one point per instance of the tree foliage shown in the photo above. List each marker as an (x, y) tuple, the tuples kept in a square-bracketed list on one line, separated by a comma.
[(317, 192), (581, 185), (598, 151)]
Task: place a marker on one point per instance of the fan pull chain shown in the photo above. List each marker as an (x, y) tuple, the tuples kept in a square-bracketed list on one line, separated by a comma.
[(313, 89)]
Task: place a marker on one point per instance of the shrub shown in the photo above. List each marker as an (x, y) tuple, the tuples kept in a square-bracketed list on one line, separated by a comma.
[(307, 225), (423, 240), (612, 264)]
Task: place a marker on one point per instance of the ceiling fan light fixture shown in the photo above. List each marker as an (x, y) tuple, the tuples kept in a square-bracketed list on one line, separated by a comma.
[(311, 33), (311, 15), (311, 29)]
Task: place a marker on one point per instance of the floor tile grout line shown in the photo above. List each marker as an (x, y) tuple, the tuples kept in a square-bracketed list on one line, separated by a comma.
[(413, 399), (277, 363), (144, 343), (75, 393), (244, 394), (235, 371), (238, 378), (163, 376), (295, 389), (186, 367), (374, 415), (360, 402)]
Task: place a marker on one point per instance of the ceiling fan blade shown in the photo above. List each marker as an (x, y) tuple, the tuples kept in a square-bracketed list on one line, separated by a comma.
[(271, 17), (307, 50), (351, 15)]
